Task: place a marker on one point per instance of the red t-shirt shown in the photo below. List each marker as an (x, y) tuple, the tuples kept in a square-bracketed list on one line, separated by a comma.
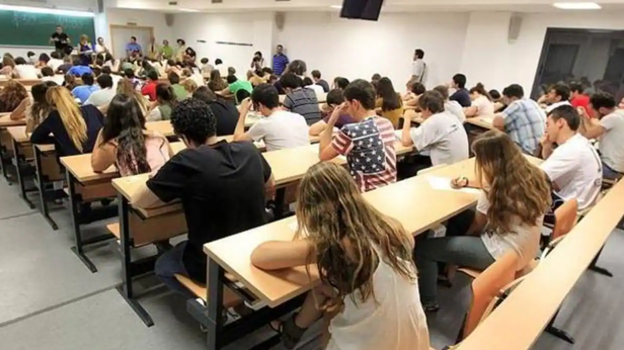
[(582, 101), (150, 90)]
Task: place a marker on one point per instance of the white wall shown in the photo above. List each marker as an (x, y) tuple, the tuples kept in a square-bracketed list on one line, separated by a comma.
[(502, 62), (140, 18), (245, 28), (358, 49)]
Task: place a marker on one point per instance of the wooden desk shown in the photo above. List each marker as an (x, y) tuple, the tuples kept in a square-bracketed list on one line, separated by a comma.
[(48, 171), (22, 155), (162, 127), (276, 287), (520, 319), (482, 122), (5, 120)]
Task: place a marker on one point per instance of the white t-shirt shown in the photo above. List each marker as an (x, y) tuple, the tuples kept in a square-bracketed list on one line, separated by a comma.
[(396, 321), (523, 239), (455, 109), (281, 130), (575, 168), (419, 69), (611, 147), (443, 136), (26, 71), (317, 89), (484, 106), (54, 63), (101, 97), (552, 107), (58, 79)]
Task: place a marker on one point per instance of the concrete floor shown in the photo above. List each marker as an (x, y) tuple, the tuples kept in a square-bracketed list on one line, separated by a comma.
[(50, 300)]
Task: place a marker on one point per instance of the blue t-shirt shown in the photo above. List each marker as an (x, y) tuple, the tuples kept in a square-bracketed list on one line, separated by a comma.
[(280, 61), (78, 71), (133, 47), (462, 97), (82, 92)]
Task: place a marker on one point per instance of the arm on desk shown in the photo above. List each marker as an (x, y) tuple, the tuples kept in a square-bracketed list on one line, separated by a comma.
[(275, 255), (104, 154), (593, 128), (239, 131), (19, 112), (329, 150), (499, 122), (317, 128), (406, 135)]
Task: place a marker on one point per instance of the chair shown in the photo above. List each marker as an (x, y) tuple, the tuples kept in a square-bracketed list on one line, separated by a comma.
[(486, 291)]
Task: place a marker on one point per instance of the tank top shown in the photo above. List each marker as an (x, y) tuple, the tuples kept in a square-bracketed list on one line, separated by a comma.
[(157, 154), (393, 320)]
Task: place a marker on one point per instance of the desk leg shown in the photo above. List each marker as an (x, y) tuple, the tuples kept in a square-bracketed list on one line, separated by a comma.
[(41, 185), (557, 332), (280, 198), (73, 202), (126, 288), (215, 305), (597, 269), (20, 179)]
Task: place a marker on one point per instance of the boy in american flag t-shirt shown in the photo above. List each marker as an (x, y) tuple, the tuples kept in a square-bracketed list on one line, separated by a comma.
[(368, 143)]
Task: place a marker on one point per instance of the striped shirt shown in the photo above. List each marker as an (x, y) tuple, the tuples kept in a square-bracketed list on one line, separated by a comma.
[(303, 101), (369, 148), (280, 61)]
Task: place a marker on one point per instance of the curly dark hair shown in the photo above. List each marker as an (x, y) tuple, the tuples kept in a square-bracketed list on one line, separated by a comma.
[(194, 120), (125, 122)]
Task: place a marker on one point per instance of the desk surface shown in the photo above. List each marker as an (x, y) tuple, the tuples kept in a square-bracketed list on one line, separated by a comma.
[(5, 120), (18, 134), (277, 287), (80, 167), (482, 122)]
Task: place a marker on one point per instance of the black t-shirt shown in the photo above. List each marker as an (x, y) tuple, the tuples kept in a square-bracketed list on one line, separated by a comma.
[(222, 191), (64, 145), (227, 116), (462, 97), (60, 40), (323, 84)]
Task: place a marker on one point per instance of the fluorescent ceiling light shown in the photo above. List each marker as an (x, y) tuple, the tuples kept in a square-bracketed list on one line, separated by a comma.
[(336, 7), (188, 10), (577, 5), (46, 10)]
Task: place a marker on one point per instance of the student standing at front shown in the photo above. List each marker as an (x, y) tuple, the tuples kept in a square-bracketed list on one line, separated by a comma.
[(221, 186), (368, 143)]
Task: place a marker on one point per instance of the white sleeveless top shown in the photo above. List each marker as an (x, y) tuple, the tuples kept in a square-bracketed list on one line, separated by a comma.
[(394, 320)]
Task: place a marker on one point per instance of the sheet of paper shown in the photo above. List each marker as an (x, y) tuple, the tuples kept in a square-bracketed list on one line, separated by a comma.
[(315, 149), (398, 134), (443, 183)]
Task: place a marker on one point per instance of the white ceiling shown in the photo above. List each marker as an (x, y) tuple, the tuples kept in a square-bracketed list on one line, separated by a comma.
[(325, 5)]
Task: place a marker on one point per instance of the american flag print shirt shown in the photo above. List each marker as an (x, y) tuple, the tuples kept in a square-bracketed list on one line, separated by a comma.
[(369, 148)]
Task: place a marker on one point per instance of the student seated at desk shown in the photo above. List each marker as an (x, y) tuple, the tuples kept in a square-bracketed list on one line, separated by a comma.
[(47, 74), (124, 141), (369, 285), (481, 103), (149, 89), (608, 128), (190, 86), (334, 99), (179, 91), (234, 85), (309, 84), (388, 103), (523, 119), (571, 161), (8, 65), (78, 69), (340, 83), (461, 95), (221, 186), (125, 87), (370, 138), (74, 128), (165, 101), (414, 91), (299, 100), (558, 95), (66, 66), (105, 94), (441, 135), (40, 108), (316, 76), (84, 91), (509, 216), (225, 111), (11, 96), (497, 98), (278, 129), (23, 70), (216, 83), (452, 107)]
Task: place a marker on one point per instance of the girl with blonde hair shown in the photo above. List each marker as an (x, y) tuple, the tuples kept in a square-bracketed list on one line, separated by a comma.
[(74, 129), (126, 87), (364, 258), (514, 198)]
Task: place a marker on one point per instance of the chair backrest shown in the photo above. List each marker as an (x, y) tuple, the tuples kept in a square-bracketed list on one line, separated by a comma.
[(566, 216), (487, 287)]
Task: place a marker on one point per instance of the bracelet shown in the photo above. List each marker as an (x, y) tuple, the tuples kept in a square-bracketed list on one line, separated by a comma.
[(466, 181)]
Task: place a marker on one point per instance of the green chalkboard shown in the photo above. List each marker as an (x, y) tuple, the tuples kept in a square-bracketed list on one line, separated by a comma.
[(34, 29)]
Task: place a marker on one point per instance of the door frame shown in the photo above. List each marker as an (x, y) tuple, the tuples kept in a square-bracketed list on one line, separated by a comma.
[(125, 26)]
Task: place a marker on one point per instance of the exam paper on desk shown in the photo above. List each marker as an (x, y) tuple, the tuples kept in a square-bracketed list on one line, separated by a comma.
[(444, 184)]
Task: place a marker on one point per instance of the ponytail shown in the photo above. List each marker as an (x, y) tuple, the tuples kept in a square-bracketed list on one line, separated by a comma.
[(61, 100), (481, 90)]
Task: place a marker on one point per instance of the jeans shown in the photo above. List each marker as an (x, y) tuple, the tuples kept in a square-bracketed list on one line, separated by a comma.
[(467, 251), (170, 264), (609, 173)]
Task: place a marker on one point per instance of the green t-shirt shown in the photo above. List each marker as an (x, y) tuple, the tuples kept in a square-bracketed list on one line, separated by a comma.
[(167, 52), (179, 92), (240, 85), (165, 111)]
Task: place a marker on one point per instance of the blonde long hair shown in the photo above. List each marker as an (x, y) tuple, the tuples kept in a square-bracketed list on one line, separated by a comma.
[(350, 236), (61, 100), (516, 188), (125, 87)]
